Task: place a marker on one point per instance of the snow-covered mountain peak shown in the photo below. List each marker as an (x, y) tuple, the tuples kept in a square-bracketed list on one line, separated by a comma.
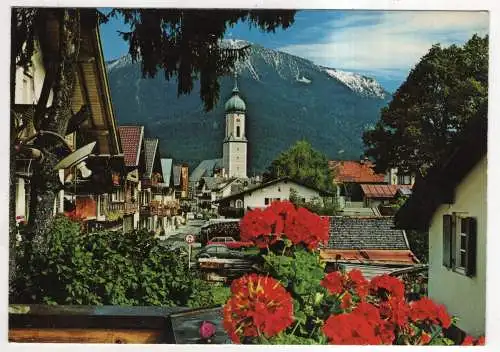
[(358, 83), (233, 43), (123, 61)]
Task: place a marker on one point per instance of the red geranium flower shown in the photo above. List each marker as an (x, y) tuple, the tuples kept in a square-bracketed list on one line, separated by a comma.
[(426, 310), (363, 326), (471, 341), (386, 286), (396, 310), (259, 305), (334, 282), (265, 227), (337, 282), (425, 338), (346, 301)]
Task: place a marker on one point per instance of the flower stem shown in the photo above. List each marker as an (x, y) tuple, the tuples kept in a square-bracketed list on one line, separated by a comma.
[(295, 327)]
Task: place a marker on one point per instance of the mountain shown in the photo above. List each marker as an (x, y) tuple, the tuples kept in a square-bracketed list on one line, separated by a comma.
[(288, 98)]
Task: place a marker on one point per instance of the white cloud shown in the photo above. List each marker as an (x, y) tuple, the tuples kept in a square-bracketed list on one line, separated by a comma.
[(388, 40)]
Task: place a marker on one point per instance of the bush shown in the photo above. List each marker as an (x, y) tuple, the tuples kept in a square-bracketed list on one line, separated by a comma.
[(327, 206), (104, 267)]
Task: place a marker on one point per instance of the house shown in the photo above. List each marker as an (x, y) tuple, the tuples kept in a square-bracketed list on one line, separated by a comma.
[(450, 203), (87, 185), (169, 202), (153, 187), (360, 186), (181, 181), (349, 175), (264, 194), (132, 138), (370, 244), (376, 195)]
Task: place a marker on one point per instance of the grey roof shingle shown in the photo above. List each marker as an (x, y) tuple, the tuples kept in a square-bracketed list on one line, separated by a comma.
[(365, 233)]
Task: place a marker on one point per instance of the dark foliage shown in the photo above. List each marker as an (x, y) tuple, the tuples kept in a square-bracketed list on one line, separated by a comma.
[(107, 268), (419, 244), (186, 43), (304, 164), (442, 93)]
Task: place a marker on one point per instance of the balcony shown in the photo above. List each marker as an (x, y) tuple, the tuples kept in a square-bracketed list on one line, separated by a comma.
[(158, 208)]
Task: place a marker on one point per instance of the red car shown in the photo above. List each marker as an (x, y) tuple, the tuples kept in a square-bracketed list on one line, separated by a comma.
[(230, 242)]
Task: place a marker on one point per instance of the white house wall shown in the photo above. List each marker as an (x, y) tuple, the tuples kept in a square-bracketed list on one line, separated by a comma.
[(464, 296), (278, 190), (28, 88)]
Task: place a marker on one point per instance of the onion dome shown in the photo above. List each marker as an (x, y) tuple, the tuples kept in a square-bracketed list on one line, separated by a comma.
[(235, 103)]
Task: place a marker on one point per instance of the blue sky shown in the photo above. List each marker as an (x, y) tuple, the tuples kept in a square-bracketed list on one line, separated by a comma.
[(381, 44)]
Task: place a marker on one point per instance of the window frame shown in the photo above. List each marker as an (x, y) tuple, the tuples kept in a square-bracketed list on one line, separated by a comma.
[(460, 244)]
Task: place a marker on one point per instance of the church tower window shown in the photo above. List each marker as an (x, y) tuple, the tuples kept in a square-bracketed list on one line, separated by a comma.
[(237, 131)]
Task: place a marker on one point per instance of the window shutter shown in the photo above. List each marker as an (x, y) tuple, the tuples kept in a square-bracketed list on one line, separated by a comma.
[(470, 269), (447, 240)]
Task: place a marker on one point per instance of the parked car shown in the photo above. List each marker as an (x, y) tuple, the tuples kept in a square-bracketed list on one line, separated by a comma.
[(230, 242), (218, 251)]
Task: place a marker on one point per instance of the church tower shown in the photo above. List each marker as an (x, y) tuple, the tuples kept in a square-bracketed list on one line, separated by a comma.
[(234, 151)]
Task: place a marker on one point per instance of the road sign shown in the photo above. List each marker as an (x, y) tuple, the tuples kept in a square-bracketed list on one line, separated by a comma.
[(189, 239)]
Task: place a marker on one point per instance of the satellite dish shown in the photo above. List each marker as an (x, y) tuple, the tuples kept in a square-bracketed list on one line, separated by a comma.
[(76, 157)]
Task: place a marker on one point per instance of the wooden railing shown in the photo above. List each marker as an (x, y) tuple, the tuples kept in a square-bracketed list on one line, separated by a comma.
[(110, 324), (156, 207)]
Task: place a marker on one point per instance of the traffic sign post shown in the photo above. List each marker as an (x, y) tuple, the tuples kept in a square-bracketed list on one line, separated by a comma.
[(189, 240)]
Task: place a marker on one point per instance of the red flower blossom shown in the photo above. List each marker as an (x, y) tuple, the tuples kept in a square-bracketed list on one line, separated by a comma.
[(346, 301), (386, 286), (471, 341), (396, 310), (259, 305), (426, 310), (425, 338), (334, 282), (337, 282), (260, 227), (363, 326), (468, 341), (265, 227)]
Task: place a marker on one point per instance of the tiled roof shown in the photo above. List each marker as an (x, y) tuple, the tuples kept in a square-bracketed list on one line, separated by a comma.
[(355, 171), (131, 138), (383, 191), (150, 149), (350, 211), (166, 169), (365, 233), (370, 256)]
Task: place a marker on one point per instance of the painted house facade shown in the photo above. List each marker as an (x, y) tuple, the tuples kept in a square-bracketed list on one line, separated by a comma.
[(264, 194), (83, 193), (450, 203)]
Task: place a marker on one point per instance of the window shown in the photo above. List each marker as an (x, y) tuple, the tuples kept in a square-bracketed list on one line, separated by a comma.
[(459, 243), (237, 131), (239, 203), (404, 179), (266, 201), (118, 195)]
